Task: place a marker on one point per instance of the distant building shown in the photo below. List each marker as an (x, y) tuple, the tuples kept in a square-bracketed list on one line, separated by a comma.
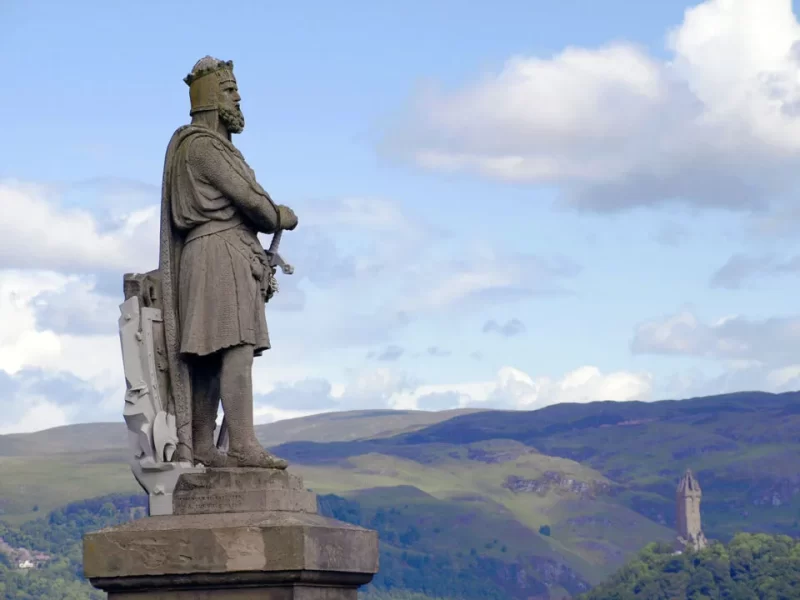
[(690, 530)]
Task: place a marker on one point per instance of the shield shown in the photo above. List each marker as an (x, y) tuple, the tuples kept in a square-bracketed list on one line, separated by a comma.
[(148, 412)]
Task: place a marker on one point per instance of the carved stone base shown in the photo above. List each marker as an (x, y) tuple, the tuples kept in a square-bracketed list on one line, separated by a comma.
[(231, 548), (289, 555), (294, 592), (241, 490)]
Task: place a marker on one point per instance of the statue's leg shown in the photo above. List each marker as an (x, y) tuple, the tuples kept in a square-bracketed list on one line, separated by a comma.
[(205, 403), (237, 400)]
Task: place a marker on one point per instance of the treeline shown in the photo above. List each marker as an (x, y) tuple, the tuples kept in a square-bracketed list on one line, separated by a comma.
[(427, 562), (750, 567), (60, 535), (413, 564)]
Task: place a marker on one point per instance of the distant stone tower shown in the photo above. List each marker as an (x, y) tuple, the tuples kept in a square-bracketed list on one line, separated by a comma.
[(690, 531)]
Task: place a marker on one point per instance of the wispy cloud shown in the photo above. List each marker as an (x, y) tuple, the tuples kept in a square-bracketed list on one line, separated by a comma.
[(510, 328)]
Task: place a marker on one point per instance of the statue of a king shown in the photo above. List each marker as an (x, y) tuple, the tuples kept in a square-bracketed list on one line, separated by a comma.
[(216, 276)]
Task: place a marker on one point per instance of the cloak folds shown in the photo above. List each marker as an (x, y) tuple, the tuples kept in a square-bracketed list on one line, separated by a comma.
[(170, 250), (214, 271)]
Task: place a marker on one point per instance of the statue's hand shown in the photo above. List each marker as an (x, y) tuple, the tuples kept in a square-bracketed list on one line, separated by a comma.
[(288, 218), (272, 285)]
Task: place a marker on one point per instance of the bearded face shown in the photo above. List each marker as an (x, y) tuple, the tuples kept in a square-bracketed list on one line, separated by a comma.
[(230, 113)]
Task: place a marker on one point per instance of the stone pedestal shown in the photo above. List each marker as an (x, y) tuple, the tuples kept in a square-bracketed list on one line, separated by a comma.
[(238, 534)]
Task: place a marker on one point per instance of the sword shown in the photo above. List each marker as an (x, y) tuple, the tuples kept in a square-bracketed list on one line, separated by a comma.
[(275, 261)]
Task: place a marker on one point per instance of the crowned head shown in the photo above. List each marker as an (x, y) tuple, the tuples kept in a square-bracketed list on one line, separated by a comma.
[(212, 87)]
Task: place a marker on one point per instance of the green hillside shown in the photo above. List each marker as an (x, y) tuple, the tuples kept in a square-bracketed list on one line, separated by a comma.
[(326, 427), (82, 437), (34, 485), (590, 532), (352, 425), (436, 559), (743, 447), (44, 470), (575, 489)]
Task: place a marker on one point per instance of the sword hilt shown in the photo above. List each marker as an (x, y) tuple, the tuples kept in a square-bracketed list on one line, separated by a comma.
[(275, 259), (276, 241)]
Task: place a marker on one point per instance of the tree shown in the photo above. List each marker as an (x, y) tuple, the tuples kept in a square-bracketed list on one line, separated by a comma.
[(750, 567)]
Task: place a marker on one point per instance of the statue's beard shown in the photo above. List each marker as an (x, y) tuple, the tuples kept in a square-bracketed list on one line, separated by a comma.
[(232, 118)]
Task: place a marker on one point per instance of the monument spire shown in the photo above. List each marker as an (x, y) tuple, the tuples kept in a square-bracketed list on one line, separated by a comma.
[(688, 495)]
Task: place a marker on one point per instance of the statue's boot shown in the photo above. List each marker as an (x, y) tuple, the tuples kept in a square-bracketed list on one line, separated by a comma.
[(205, 451), (211, 457), (205, 392), (236, 386), (253, 455)]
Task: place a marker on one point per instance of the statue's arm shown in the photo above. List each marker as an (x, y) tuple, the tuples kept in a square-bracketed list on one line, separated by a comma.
[(210, 161)]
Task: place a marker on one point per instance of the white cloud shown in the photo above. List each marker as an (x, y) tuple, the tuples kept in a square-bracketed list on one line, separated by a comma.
[(717, 125), (487, 276), (515, 389), (39, 414), (774, 341), (511, 389), (21, 343), (55, 324), (37, 233), (734, 376), (373, 214), (77, 308), (368, 389)]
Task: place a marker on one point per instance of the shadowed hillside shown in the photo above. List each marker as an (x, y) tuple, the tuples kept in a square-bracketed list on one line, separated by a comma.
[(352, 425), (44, 470), (327, 427), (744, 447), (82, 437), (577, 488)]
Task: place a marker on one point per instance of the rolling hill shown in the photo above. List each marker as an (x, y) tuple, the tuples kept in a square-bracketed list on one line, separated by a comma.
[(571, 491), (326, 427), (745, 449)]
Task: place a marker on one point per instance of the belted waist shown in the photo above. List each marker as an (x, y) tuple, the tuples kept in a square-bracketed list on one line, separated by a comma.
[(213, 227)]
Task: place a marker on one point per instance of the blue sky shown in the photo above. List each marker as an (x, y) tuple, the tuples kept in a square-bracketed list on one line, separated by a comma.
[(507, 204)]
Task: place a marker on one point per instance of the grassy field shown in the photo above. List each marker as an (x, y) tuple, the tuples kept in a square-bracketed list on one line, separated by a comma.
[(601, 477), (32, 486), (352, 425), (584, 531), (447, 485), (327, 427)]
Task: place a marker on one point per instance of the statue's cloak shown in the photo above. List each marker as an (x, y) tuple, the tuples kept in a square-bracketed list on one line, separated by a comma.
[(170, 250), (219, 301)]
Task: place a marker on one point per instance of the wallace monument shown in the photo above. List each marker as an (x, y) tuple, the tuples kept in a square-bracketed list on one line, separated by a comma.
[(227, 519)]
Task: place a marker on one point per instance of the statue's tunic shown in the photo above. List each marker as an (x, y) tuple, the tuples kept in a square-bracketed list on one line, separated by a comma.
[(223, 272)]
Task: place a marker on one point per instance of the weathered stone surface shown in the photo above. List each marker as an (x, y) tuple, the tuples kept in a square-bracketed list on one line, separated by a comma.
[(151, 426), (258, 546), (239, 480), (189, 332), (241, 490), (228, 501), (272, 593), (211, 289)]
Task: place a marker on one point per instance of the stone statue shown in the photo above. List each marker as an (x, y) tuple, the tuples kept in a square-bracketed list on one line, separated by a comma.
[(216, 277), (227, 524), (191, 329)]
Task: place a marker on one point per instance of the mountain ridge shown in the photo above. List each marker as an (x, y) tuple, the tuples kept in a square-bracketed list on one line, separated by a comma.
[(585, 485)]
